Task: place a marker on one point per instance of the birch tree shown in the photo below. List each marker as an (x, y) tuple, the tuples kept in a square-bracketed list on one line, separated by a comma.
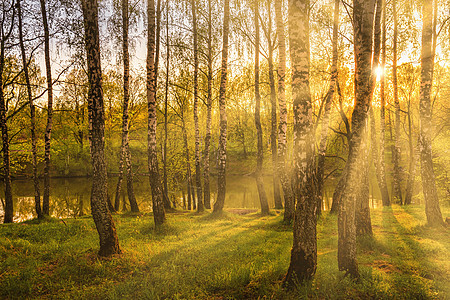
[(363, 17), (48, 128), (260, 154), (166, 103), (282, 123), (303, 262), (222, 155), (109, 242), (206, 187), (37, 194), (432, 208), (382, 162), (379, 45), (327, 110), (273, 110), (155, 183), (396, 153), (6, 30), (198, 181), (125, 154)]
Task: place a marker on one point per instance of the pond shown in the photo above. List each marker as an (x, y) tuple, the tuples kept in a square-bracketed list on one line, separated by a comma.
[(69, 197)]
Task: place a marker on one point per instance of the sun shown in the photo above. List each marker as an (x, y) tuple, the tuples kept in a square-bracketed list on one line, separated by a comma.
[(379, 71)]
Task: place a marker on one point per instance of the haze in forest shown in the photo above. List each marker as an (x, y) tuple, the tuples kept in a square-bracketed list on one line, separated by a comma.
[(238, 149)]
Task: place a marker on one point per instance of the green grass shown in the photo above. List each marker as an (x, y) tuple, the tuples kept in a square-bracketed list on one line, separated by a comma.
[(229, 257)]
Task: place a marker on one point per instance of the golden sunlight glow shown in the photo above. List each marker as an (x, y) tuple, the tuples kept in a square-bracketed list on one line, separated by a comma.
[(379, 72)]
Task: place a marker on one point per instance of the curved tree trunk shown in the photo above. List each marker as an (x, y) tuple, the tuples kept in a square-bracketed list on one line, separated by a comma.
[(304, 250), (260, 155), (363, 15), (37, 195), (109, 242), (48, 128), (362, 214), (282, 124), (155, 183), (221, 180), (432, 208)]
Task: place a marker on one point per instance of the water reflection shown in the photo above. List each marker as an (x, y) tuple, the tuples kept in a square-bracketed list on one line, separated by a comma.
[(70, 196)]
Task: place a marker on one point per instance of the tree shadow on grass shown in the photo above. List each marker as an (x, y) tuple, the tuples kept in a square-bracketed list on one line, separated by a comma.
[(161, 231), (278, 226), (235, 264), (414, 273), (219, 216)]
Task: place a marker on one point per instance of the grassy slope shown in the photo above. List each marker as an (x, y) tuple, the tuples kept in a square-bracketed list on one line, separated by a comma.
[(197, 256)]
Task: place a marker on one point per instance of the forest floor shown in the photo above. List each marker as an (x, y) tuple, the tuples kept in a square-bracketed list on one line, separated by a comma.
[(236, 256)]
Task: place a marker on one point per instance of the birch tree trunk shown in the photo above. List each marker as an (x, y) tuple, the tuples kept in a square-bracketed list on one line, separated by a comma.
[(327, 111), (198, 181), (155, 183), (130, 189), (158, 41), (206, 188), (109, 242), (260, 155), (222, 155), (190, 188), (381, 180), (37, 195), (273, 113), (304, 250), (363, 16), (48, 128), (282, 124), (362, 215), (340, 187), (338, 191), (125, 147), (432, 208), (382, 158), (411, 170), (377, 159), (5, 35), (166, 201), (166, 102), (396, 155)]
